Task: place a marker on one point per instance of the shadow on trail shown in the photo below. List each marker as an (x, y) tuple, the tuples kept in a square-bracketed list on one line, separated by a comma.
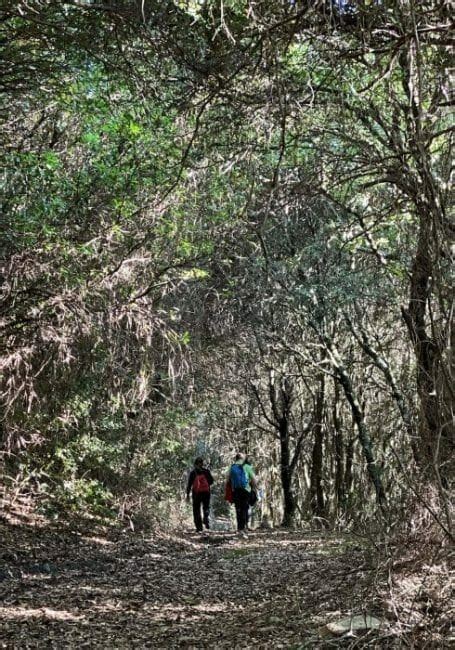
[(108, 588)]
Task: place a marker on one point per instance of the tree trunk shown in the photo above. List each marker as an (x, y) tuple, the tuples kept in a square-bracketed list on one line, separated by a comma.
[(364, 437), (348, 477), (435, 453), (340, 496), (316, 491), (286, 475), (425, 350), (357, 414)]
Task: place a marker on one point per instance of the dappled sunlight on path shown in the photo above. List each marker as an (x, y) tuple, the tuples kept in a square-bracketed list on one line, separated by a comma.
[(118, 589)]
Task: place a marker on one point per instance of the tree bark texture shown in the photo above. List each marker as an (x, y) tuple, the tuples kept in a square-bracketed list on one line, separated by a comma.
[(316, 490), (286, 475), (357, 414), (340, 495)]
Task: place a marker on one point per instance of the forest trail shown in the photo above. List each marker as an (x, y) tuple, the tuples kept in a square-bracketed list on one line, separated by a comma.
[(120, 589)]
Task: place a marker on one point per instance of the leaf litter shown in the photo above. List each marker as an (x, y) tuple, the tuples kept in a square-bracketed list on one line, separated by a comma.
[(121, 589)]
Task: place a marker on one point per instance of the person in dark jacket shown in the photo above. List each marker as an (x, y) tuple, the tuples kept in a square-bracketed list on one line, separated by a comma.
[(199, 482)]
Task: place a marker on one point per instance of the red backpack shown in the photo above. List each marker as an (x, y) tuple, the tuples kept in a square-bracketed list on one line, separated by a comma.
[(228, 492), (200, 484)]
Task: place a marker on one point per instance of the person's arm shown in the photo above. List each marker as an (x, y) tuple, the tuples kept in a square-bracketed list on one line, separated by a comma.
[(209, 477), (190, 483)]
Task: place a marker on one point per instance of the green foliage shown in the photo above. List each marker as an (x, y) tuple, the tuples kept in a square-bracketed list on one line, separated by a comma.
[(77, 496), (188, 189)]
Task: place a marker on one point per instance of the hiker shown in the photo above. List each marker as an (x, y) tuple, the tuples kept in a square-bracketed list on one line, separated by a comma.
[(241, 480), (251, 487), (199, 482)]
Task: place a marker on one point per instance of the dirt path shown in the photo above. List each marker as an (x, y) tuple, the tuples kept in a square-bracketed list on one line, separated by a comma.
[(122, 590)]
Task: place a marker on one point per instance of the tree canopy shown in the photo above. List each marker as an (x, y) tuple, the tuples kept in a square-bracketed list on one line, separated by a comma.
[(227, 224)]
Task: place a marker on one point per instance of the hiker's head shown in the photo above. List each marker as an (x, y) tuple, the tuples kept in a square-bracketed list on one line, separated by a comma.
[(198, 462), (239, 457), (247, 460)]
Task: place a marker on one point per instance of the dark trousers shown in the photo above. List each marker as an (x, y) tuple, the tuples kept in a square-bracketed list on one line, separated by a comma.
[(242, 503), (201, 499)]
